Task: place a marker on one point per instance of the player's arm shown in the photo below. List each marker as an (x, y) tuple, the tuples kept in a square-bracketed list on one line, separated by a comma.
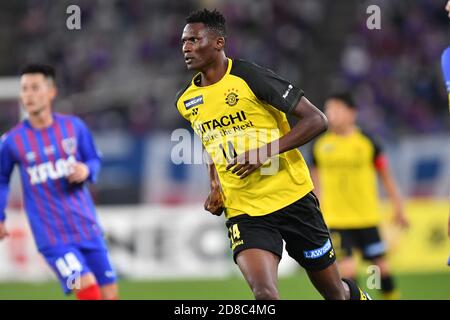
[(445, 63), (281, 94), (214, 201), (89, 165), (389, 184), (312, 122), (6, 168)]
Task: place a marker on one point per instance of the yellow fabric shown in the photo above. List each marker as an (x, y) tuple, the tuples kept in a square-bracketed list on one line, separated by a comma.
[(230, 116), (347, 176), (392, 295)]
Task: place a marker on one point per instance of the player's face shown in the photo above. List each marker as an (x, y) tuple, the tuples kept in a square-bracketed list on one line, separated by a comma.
[(339, 114), (200, 46), (36, 92)]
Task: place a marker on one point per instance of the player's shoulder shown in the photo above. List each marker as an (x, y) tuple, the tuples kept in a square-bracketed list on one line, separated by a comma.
[(182, 91), (65, 118), (248, 70), (11, 133), (446, 52), (374, 140)]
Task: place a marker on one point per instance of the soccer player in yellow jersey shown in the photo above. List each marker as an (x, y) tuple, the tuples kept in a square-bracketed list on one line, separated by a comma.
[(346, 162), (258, 177)]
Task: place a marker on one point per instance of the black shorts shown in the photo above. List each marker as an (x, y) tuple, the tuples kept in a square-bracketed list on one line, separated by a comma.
[(366, 240), (300, 225)]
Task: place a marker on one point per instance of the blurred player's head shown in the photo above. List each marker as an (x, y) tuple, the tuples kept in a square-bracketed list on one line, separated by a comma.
[(203, 38), (340, 110), (37, 88)]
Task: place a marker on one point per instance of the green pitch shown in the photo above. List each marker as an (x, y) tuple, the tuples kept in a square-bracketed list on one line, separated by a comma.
[(412, 286)]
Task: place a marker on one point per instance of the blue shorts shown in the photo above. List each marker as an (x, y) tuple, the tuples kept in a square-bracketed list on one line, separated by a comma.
[(71, 261)]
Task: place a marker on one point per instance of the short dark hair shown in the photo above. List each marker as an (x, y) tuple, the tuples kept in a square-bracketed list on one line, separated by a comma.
[(46, 70), (214, 20), (344, 97)]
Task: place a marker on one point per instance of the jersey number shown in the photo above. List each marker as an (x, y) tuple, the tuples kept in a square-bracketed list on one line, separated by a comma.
[(68, 264)]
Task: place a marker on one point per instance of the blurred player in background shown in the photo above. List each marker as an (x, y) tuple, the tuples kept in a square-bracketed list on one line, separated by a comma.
[(345, 166), (446, 70), (57, 157), (232, 105)]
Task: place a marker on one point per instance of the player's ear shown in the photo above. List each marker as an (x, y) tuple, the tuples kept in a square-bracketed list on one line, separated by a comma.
[(220, 43), (53, 92)]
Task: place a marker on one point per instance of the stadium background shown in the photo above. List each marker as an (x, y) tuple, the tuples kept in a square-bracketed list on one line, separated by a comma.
[(120, 73)]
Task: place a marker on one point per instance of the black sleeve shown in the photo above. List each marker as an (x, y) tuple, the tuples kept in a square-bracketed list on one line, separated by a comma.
[(180, 93), (376, 145), (268, 86)]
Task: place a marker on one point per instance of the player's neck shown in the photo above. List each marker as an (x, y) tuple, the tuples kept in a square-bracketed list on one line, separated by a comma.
[(345, 131), (214, 72), (41, 119)]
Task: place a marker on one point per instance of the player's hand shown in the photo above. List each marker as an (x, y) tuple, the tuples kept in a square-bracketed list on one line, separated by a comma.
[(247, 162), (401, 220), (214, 202), (3, 232), (447, 7), (79, 173)]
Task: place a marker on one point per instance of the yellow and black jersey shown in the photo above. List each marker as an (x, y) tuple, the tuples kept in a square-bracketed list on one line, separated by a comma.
[(347, 168), (243, 111)]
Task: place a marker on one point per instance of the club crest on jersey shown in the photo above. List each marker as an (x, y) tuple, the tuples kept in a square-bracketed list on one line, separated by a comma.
[(193, 102), (69, 145), (232, 97)]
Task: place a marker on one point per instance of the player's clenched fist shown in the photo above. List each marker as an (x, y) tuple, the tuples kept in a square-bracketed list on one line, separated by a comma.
[(79, 173), (3, 232), (214, 202)]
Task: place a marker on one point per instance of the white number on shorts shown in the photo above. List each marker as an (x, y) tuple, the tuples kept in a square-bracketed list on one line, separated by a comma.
[(68, 264)]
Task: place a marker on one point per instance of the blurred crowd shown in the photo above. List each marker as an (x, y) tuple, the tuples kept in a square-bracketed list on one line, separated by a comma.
[(122, 69)]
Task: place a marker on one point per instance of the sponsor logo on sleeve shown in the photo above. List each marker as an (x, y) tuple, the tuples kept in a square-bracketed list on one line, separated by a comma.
[(193, 102)]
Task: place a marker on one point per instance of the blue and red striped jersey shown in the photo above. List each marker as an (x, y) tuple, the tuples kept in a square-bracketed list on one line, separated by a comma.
[(59, 212), (445, 62)]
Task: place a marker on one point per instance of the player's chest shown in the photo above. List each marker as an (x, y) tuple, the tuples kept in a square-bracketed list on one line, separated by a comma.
[(225, 103), (46, 148), (341, 154)]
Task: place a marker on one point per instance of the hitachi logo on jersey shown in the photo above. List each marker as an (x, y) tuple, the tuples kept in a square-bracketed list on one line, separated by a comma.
[(50, 170), (223, 121), (193, 102)]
